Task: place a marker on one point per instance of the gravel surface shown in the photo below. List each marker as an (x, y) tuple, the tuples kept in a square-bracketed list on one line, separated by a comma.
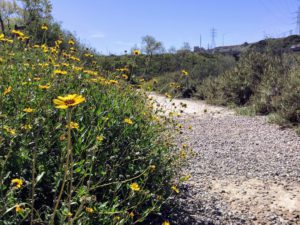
[(246, 171)]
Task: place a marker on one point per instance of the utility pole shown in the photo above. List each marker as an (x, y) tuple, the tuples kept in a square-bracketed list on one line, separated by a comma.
[(200, 41), (213, 37)]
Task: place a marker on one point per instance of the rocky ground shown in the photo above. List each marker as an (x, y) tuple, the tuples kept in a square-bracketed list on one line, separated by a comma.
[(246, 171)]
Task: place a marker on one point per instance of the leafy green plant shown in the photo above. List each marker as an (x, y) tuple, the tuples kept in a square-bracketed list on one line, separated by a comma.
[(103, 161)]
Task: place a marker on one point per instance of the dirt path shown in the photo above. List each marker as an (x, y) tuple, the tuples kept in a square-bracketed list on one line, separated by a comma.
[(246, 171)]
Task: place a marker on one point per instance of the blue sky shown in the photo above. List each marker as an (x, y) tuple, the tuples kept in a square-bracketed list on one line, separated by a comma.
[(112, 26)]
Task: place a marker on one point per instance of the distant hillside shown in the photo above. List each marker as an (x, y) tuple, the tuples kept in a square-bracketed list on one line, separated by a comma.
[(291, 43), (279, 44)]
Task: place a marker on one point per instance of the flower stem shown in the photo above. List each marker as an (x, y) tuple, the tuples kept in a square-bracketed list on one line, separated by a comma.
[(66, 168)]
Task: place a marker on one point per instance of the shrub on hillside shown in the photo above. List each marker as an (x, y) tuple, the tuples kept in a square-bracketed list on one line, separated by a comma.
[(267, 82)]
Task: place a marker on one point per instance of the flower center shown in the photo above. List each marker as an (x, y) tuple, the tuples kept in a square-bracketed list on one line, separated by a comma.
[(70, 102)]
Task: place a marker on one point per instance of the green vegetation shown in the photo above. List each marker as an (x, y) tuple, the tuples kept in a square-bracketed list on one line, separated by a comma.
[(78, 143), (81, 143), (263, 80)]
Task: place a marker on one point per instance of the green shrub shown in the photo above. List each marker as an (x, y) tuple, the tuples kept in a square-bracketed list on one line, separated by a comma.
[(262, 81), (288, 104), (111, 165)]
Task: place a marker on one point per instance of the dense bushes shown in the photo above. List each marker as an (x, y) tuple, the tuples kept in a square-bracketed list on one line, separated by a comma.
[(264, 81), (199, 65), (103, 161)]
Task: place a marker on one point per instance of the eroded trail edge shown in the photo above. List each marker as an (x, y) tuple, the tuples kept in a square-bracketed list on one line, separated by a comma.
[(246, 171)]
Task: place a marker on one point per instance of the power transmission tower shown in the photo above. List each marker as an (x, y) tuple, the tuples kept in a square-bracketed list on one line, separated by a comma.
[(213, 37)]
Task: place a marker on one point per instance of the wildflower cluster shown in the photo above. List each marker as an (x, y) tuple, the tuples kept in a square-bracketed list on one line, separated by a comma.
[(79, 144)]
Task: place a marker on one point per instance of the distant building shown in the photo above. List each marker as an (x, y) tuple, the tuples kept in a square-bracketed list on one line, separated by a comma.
[(198, 49)]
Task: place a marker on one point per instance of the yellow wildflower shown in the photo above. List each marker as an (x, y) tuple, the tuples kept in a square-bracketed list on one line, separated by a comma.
[(175, 189), (60, 72), (75, 58), (17, 33), (64, 102), (28, 110), (26, 127), (131, 215), (128, 121), (100, 138), (134, 187), (7, 90), (73, 125), (18, 208), (113, 82), (24, 38), (9, 130), (88, 55), (136, 52), (7, 40), (65, 64), (125, 76), (58, 42), (166, 223), (184, 72), (90, 72), (76, 68), (44, 27), (17, 183), (89, 210), (183, 154), (44, 87), (71, 42)]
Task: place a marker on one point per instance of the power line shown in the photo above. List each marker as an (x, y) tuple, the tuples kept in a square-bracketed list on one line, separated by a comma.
[(279, 17), (287, 5)]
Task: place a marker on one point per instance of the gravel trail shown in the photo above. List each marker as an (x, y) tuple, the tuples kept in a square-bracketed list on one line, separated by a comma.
[(246, 171)]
